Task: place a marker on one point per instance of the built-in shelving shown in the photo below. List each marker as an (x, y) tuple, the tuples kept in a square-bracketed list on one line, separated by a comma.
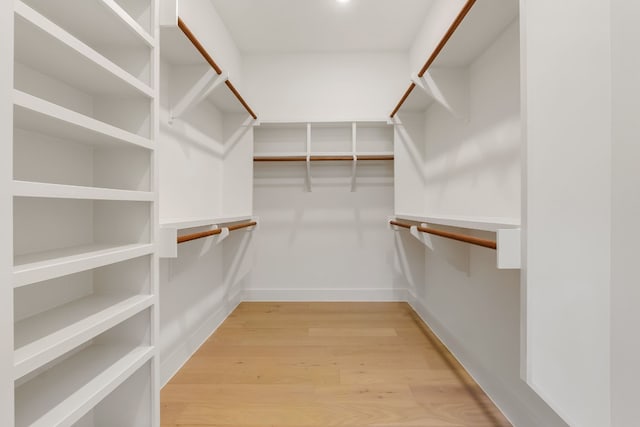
[(103, 23), (39, 115), (44, 337), (473, 223), (324, 142), (169, 230), (84, 190), (37, 267), (46, 190), (72, 388), (42, 45)]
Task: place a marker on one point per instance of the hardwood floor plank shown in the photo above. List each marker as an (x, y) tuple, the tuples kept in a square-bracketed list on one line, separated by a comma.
[(321, 365)]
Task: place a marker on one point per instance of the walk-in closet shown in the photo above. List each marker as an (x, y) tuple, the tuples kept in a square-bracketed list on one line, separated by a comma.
[(314, 213)]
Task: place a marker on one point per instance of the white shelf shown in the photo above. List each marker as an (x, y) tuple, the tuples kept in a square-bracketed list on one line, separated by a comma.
[(44, 337), (35, 114), (61, 396), (473, 223), (480, 28), (41, 44), (47, 265), (58, 191), (103, 22), (184, 223)]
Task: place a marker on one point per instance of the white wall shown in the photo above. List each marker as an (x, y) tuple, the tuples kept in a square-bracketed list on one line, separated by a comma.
[(6, 213), (625, 292), (198, 290), (567, 217), (190, 151), (325, 87), (440, 17), (329, 244), (473, 169)]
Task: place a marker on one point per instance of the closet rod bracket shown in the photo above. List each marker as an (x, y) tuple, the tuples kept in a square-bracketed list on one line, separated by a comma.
[(198, 92)]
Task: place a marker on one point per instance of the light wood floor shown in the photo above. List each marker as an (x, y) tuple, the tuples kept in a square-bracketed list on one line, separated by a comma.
[(325, 364)]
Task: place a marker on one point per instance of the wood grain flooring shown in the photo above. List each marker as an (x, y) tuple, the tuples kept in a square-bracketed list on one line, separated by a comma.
[(321, 365)]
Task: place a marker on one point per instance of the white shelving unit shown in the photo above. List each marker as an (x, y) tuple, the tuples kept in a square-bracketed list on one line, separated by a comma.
[(456, 159), (84, 189), (205, 126), (325, 142)]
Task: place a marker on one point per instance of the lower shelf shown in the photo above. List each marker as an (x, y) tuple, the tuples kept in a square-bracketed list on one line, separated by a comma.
[(62, 395), (42, 338)]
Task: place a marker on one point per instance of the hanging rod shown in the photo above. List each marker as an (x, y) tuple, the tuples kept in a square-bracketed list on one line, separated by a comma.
[(319, 158), (455, 236), (233, 89), (195, 236), (452, 29), (196, 43)]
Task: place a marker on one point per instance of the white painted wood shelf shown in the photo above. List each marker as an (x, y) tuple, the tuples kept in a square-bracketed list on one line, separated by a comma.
[(473, 223), (169, 230), (507, 230), (32, 268), (35, 114), (46, 190), (71, 389), (104, 22), (41, 44), (44, 337)]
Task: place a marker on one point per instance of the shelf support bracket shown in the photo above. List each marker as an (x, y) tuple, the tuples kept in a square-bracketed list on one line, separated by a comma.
[(308, 157), (448, 87), (200, 90), (455, 253), (224, 233), (354, 150)]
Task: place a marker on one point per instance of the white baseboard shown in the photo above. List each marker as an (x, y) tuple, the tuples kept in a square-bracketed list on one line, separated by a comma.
[(171, 364), (326, 295), (514, 408)]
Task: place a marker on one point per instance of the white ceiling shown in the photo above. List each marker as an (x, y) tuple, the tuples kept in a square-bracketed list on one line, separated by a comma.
[(269, 26)]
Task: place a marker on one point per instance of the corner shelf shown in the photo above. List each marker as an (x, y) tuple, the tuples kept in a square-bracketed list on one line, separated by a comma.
[(37, 40), (33, 113), (46, 190), (75, 386), (44, 337), (47, 265)]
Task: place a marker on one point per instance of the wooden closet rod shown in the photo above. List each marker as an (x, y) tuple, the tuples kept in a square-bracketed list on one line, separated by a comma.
[(195, 236), (319, 158), (455, 236), (192, 38), (233, 89), (452, 29), (196, 43)]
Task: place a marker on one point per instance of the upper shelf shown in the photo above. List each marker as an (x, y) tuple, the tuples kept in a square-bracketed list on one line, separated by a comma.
[(43, 45), (104, 22), (184, 223), (475, 28), (181, 47)]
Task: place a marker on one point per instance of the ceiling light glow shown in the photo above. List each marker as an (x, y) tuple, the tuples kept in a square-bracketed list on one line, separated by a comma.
[(343, 1)]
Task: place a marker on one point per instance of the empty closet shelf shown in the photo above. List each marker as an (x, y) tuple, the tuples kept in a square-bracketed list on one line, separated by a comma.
[(44, 46), (446, 234), (44, 337), (103, 23), (46, 190), (72, 388), (37, 115), (32, 268)]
